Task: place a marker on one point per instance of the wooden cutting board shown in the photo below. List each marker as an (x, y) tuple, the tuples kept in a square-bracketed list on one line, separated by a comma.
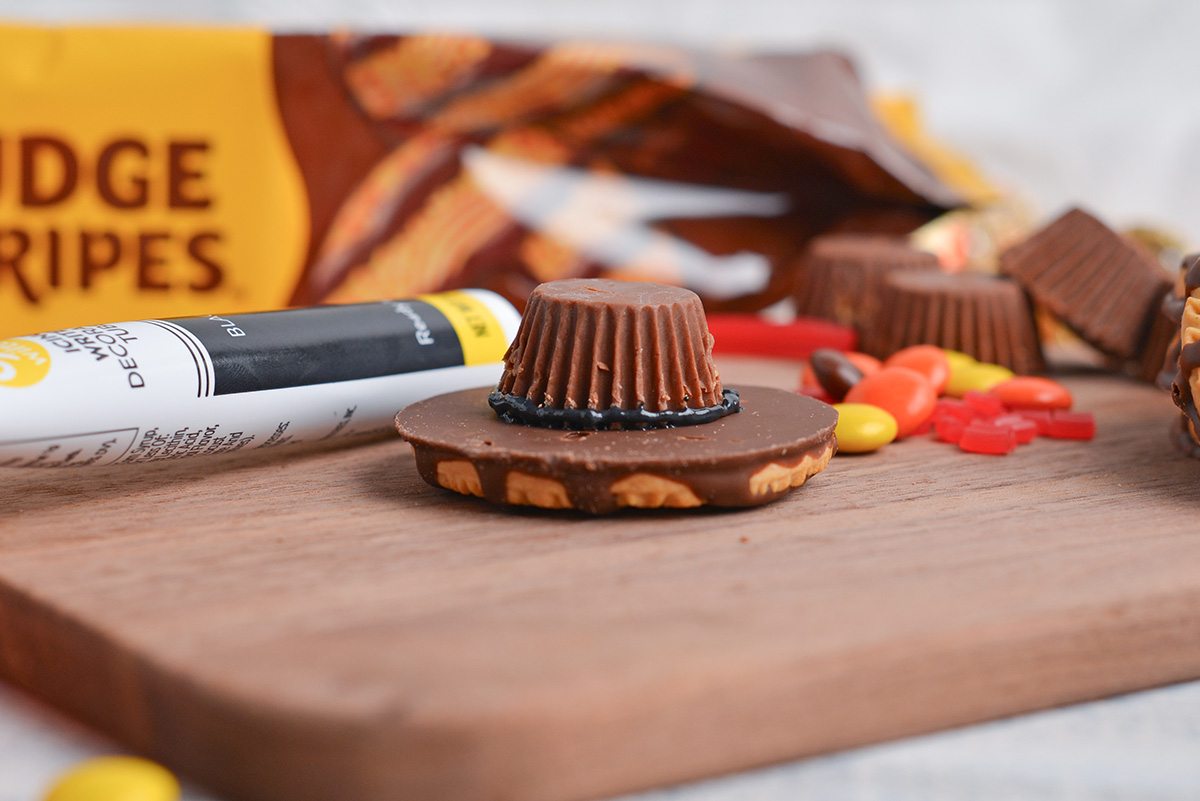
[(327, 626)]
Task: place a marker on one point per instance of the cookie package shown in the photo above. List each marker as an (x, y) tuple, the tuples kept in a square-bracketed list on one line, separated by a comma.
[(238, 170)]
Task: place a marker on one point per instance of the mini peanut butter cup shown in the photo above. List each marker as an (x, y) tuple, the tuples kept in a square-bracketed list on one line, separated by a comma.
[(609, 399), (601, 353), (984, 316), (1100, 284), (841, 277)]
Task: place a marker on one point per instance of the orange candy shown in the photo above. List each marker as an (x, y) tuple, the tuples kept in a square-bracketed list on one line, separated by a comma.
[(928, 360), (901, 391), (1032, 392), (868, 365)]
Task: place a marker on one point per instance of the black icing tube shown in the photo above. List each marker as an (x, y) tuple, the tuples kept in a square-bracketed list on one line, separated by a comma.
[(167, 389)]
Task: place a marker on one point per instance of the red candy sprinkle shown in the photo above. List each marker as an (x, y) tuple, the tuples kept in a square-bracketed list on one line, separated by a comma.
[(1039, 417), (983, 403), (1072, 425), (982, 436), (949, 429), (1024, 430), (952, 407)]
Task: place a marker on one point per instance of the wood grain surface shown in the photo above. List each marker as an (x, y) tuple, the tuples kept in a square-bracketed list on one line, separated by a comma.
[(325, 625)]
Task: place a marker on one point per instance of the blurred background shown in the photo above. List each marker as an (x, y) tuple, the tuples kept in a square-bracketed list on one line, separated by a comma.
[(1059, 102)]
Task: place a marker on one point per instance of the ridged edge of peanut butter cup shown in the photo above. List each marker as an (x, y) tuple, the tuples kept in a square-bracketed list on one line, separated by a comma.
[(841, 277), (1103, 286), (601, 344), (985, 316)]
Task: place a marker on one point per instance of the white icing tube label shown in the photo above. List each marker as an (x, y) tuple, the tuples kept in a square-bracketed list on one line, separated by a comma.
[(168, 389)]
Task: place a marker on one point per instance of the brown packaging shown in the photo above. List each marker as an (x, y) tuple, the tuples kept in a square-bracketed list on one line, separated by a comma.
[(178, 171)]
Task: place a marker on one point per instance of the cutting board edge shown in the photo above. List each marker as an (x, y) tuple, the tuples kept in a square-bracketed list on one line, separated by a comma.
[(202, 731)]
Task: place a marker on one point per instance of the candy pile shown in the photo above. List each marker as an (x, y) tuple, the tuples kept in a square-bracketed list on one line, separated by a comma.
[(982, 408)]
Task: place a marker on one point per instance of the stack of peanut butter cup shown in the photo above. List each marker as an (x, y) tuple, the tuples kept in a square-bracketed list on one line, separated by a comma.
[(843, 277), (1105, 287), (609, 399), (897, 296)]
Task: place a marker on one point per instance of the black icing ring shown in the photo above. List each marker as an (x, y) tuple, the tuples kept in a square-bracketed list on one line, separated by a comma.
[(515, 409)]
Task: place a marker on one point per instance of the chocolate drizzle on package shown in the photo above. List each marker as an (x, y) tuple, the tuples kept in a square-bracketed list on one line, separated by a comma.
[(710, 171)]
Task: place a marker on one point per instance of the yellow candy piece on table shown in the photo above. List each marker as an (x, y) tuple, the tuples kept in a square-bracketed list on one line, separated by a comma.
[(862, 428), (980, 377), (115, 778), (958, 359)]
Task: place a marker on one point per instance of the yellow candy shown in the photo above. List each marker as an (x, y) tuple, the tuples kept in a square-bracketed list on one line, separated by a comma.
[(115, 778), (979, 376), (958, 359), (862, 428)]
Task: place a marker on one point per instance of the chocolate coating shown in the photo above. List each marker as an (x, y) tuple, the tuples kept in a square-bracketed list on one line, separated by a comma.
[(716, 461), (1160, 356), (841, 277), (601, 344), (985, 316), (1100, 284), (835, 373), (1171, 314)]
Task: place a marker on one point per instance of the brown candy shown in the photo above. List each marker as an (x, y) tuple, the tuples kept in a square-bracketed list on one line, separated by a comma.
[(773, 445), (981, 315), (834, 372), (602, 344), (1097, 282), (1166, 331), (841, 277)]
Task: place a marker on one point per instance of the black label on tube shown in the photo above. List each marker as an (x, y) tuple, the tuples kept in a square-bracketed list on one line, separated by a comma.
[(298, 347)]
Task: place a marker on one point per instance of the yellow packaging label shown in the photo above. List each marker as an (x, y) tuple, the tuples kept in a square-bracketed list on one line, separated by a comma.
[(482, 337), (22, 363), (143, 173)]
